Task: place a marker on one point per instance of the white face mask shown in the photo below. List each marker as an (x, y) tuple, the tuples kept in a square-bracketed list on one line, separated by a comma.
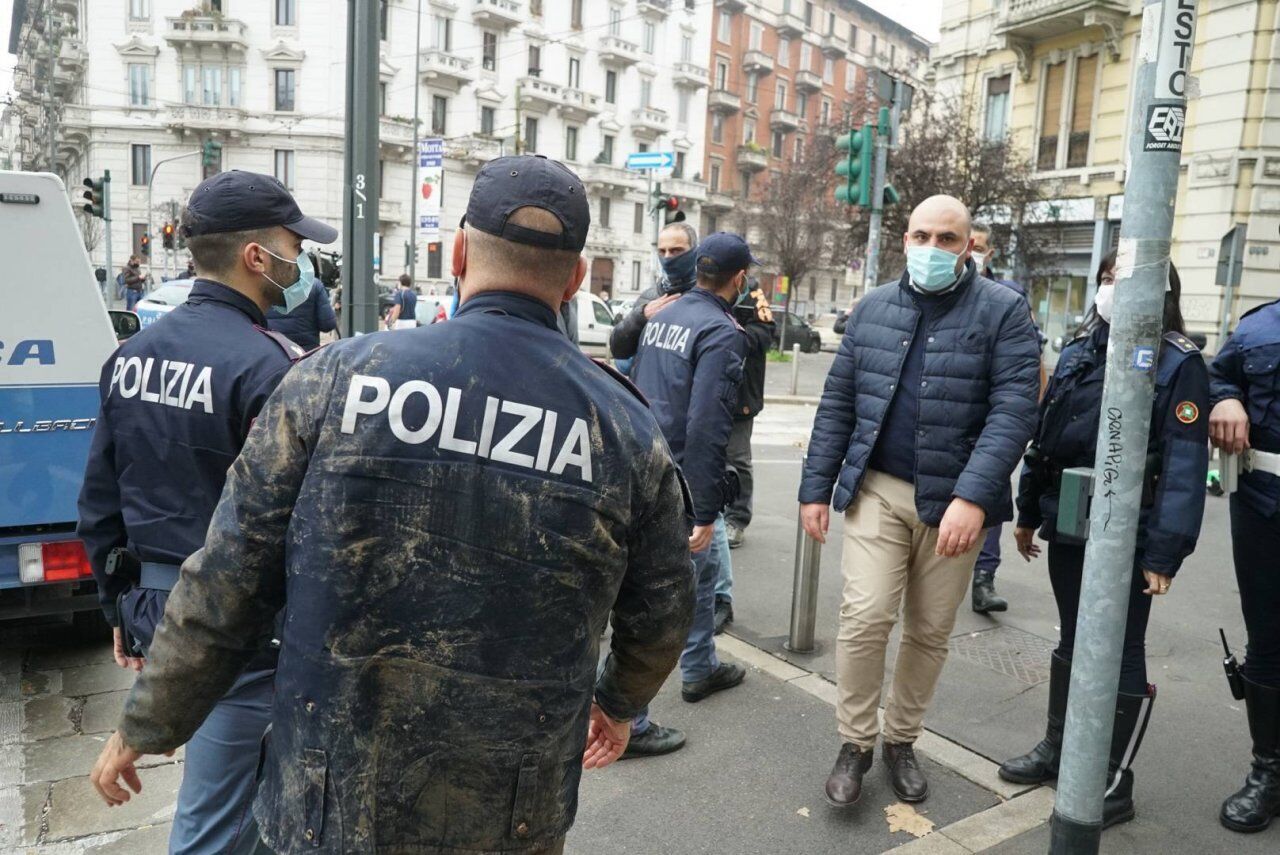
[(1105, 301), (980, 259)]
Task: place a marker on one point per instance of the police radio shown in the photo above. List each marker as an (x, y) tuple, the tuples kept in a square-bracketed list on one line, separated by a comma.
[(1234, 678)]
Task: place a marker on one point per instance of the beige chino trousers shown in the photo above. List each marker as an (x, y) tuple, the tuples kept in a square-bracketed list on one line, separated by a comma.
[(889, 565)]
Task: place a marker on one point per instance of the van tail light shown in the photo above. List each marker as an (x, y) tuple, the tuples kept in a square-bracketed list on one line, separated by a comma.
[(57, 561)]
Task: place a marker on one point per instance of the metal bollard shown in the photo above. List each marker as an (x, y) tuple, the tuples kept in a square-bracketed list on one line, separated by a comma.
[(795, 368), (804, 591)]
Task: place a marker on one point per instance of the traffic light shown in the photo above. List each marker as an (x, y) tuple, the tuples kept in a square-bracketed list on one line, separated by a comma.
[(96, 196), (891, 196), (211, 157), (166, 236), (855, 166), (144, 245), (670, 207)]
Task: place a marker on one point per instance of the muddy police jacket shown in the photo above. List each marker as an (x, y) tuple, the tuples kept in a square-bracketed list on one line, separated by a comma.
[(451, 513), (177, 402)]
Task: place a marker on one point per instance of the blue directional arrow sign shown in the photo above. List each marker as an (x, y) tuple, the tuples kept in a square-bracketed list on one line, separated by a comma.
[(642, 160)]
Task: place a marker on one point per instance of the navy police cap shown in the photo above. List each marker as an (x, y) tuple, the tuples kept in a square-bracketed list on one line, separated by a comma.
[(506, 184), (236, 201), (724, 252)]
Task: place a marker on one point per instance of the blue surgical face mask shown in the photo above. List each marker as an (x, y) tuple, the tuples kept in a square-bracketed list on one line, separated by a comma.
[(931, 268), (297, 293), (681, 272)]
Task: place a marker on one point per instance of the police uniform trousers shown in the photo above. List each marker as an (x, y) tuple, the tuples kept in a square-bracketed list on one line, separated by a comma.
[(989, 555), (1255, 543), (219, 778), (738, 453), (889, 564)]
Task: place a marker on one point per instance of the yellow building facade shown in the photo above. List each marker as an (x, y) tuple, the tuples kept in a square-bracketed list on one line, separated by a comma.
[(1056, 76)]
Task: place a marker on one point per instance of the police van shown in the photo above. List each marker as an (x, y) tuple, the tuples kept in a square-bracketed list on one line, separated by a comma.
[(55, 335)]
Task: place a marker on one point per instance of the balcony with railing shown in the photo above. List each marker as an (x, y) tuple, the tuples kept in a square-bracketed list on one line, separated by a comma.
[(443, 67), (784, 120), (578, 105), (808, 81), (608, 178), (538, 94), (390, 211), (757, 62), (790, 25), (502, 14), (475, 150), (196, 29), (197, 120), (654, 10), (649, 122), (724, 101), (684, 188), (834, 46), (617, 51), (752, 157), (732, 6), (689, 75), (1034, 20), (395, 133), (718, 202)]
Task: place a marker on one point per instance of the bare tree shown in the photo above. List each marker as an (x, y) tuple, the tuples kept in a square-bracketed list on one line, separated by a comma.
[(91, 231)]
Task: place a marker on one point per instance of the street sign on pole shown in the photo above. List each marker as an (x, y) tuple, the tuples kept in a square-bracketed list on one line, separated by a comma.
[(642, 160), (1142, 273)]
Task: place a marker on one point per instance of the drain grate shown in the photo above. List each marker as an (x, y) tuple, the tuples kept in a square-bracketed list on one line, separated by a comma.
[(1008, 651)]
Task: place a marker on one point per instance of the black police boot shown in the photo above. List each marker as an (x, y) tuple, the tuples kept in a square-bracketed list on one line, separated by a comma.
[(844, 784), (726, 676), (656, 740), (724, 613), (984, 593), (1132, 714), (1041, 763), (1258, 802)]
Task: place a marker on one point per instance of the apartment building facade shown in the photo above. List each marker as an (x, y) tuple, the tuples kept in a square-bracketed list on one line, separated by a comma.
[(1056, 76), (128, 85), (783, 74)]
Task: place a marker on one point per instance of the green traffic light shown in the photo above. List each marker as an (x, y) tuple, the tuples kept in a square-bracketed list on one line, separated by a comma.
[(855, 166)]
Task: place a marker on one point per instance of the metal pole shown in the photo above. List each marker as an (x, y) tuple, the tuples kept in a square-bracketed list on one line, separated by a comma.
[(804, 590), (1141, 274), (872, 276), (413, 190), (360, 212), (106, 222), (795, 367), (151, 183)]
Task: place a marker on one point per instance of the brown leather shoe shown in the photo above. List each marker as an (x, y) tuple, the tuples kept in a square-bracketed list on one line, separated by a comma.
[(844, 785), (905, 777)]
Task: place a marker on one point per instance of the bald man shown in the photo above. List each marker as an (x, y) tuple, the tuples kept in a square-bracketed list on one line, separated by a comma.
[(927, 410)]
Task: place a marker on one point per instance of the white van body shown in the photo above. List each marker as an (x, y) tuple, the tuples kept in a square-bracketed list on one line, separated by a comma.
[(595, 324)]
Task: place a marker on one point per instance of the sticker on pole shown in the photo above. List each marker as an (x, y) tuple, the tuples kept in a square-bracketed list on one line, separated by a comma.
[(1144, 357), (1165, 124)]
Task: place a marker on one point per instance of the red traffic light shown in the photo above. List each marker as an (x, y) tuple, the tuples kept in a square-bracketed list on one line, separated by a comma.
[(168, 229), (671, 203)]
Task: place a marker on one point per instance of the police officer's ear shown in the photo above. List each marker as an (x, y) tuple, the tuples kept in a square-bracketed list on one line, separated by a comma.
[(458, 264), (575, 279)]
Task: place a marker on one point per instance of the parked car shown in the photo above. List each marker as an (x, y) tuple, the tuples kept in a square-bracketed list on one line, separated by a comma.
[(163, 300), (595, 324), (621, 308), (799, 331), (826, 327)]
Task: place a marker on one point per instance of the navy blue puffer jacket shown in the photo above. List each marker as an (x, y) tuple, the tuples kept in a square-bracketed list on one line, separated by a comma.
[(977, 398)]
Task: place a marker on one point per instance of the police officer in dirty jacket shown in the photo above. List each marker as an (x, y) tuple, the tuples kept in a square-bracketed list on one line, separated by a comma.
[(451, 514)]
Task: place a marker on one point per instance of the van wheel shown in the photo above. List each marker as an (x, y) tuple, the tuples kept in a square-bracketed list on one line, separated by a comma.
[(90, 627)]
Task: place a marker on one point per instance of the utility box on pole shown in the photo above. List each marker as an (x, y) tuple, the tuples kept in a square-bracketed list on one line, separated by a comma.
[(1142, 271), (360, 210)]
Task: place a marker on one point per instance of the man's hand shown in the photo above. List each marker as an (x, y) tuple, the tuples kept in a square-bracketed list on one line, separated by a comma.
[(1229, 426), (123, 659), (115, 762), (1027, 546), (700, 540), (960, 529), (606, 739), (652, 307), (816, 519), (1157, 583)]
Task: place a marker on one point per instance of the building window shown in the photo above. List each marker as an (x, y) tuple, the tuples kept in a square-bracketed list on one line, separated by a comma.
[(780, 95), (606, 152), (284, 167), (635, 277), (717, 128), (575, 73), (211, 87), (615, 21), (382, 98), (778, 140), (748, 131), (435, 260), (802, 105), (642, 147), (745, 178), (611, 87), (486, 121), (828, 71), (139, 10), (678, 170), (893, 55), (285, 101), (682, 108), (756, 38), (139, 84), (825, 117), (996, 123), (140, 165), (442, 33), (535, 60), (1055, 77), (808, 15), (806, 56), (190, 80), (233, 86), (784, 53), (650, 36), (439, 111), (383, 13), (753, 88), (535, 8), (722, 30), (710, 224), (831, 23), (722, 75), (606, 209), (799, 150), (714, 183), (686, 48), (286, 13), (489, 51), (646, 91), (570, 143), (530, 134), (637, 218), (853, 37), (874, 40), (1082, 111)]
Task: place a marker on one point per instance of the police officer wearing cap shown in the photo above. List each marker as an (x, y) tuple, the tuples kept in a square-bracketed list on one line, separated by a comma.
[(452, 513), (178, 401), (1245, 390), (689, 365), (1169, 525)]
